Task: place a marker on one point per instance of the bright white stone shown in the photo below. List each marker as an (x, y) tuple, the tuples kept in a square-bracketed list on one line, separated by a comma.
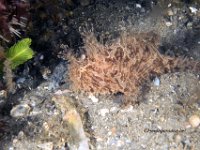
[(193, 10), (113, 109), (194, 121), (93, 98), (103, 112), (168, 24), (156, 81), (83, 57), (138, 6)]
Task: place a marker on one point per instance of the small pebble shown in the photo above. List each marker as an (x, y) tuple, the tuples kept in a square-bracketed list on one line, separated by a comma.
[(11, 148), (35, 111), (194, 121), (162, 119), (193, 10), (113, 109), (159, 127), (177, 138), (46, 73), (168, 24), (93, 98), (103, 112), (187, 125), (143, 146), (20, 134), (41, 57), (45, 126), (3, 93), (15, 141), (170, 13), (138, 6), (120, 143), (189, 24), (156, 81), (21, 80), (83, 57), (21, 110)]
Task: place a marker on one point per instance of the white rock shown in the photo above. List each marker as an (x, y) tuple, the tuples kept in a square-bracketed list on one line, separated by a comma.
[(93, 98), (178, 138), (193, 10), (2, 92), (169, 5), (138, 6), (11, 148), (83, 145), (35, 111), (113, 109), (41, 57), (109, 133), (59, 92), (83, 57), (170, 13), (156, 81), (103, 112), (194, 121), (168, 24), (119, 143), (21, 110), (150, 100)]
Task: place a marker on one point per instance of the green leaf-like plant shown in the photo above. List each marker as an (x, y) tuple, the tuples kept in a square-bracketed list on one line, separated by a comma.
[(20, 52)]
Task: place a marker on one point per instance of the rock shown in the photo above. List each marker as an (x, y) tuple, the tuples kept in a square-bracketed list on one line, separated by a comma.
[(3, 93), (35, 100), (177, 138), (193, 10), (35, 111), (138, 6), (168, 24), (103, 112), (21, 110), (45, 126), (156, 81), (93, 98), (170, 13), (114, 110), (194, 121), (83, 56), (57, 76), (46, 146), (189, 25)]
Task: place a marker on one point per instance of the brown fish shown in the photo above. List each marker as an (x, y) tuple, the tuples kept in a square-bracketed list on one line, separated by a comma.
[(124, 65)]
